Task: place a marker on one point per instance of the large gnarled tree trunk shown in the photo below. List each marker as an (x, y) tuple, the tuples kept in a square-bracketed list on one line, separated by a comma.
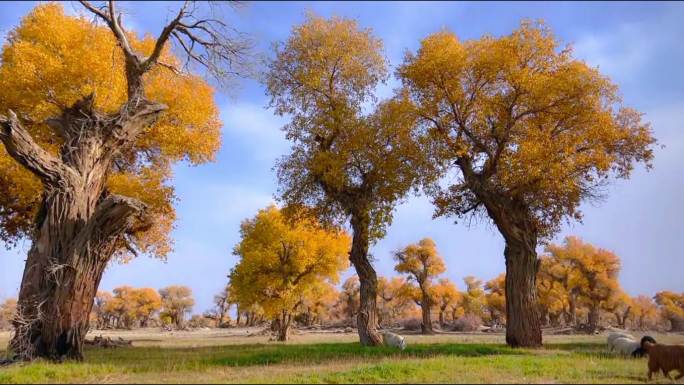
[(367, 317), (79, 226)]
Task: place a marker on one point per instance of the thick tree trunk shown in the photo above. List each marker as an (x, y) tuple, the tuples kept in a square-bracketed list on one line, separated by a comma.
[(366, 319), (284, 327), (78, 228), (425, 306), (523, 326), (442, 321)]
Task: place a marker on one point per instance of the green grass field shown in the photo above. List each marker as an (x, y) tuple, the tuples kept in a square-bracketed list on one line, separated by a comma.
[(443, 359)]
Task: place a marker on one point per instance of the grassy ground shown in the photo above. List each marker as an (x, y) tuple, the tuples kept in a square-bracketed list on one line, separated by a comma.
[(217, 357)]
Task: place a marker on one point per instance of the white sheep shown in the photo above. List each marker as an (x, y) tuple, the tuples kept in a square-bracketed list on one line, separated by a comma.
[(629, 346), (615, 335), (393, 340)]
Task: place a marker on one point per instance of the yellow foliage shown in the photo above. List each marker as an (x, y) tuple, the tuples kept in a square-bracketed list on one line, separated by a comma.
[(52, 60), (588, 273), (495, 298), (421, 261), (345, 162), (672, 304), (523, 120), (284, 261), (473, 300)]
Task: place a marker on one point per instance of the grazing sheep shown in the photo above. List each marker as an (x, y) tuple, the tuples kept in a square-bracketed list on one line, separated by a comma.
[(665, 358), (615, 335), (627, 345), (393, 340)]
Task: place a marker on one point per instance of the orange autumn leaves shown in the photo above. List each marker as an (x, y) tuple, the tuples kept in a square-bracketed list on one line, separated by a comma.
[(56, 59)]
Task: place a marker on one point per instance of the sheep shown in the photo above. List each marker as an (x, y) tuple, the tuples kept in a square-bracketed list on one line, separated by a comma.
[(613, 336), (393, 340), (665, 358), (628, 346)]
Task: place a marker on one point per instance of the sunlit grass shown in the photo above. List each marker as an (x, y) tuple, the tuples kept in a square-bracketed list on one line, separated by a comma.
[(565, 360)]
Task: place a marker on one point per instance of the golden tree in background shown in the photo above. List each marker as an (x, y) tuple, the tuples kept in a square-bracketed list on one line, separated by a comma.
[(473, 300), (177, 301), (422, 263), (346, 163), (590, 272), (284, 262), (530, 133), (672, 307), (446, 296), (495, 299)]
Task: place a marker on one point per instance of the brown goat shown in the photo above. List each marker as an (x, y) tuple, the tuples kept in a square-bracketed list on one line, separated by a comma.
[(665, 358)]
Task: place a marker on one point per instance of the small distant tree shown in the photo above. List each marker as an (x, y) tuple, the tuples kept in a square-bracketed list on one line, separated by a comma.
[(495, 299), (473, 300), (524, 133), (8, 309), (146, 303), (177, 301), (592, 273), (317, 305), (394, 301), (122, 306), (644, 314), (103, 315), (222, 302), (285, 259), (620, 305), (422, 263), (672, 307), (557, 303), (446, 296), (349, 301)]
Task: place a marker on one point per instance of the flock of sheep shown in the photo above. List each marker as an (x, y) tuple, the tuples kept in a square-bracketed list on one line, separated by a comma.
[(663, 358)]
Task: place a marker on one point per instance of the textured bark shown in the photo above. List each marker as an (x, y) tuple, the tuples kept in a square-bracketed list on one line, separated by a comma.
[(79, 226), (366, 319), (284, 327), (523, 326), (442, 321), (514, 222), (425, 306)]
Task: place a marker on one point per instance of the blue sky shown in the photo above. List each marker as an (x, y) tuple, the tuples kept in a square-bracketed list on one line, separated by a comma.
[(639, 45)]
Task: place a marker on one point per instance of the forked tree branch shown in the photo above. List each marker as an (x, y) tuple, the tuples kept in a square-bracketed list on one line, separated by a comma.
[(205, 41)]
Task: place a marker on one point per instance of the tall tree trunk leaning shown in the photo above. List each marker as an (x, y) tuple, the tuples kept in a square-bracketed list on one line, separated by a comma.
[(79, 226), (366, 319)]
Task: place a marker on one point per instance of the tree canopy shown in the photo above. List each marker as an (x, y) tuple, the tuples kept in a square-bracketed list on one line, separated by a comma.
[(55, 60), (286, 262)]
